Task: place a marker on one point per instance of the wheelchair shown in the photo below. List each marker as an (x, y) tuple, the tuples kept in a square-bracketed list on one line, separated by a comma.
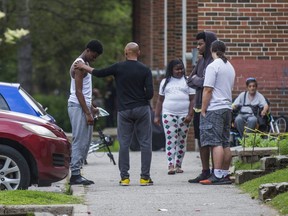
[(267, 124)]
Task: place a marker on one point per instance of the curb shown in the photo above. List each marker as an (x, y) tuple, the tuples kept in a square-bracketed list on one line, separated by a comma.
[(79, 210), (41, 210), (20, 209)]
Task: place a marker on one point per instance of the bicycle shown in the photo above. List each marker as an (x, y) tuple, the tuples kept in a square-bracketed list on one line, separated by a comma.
[(104, 141), (279, 125)]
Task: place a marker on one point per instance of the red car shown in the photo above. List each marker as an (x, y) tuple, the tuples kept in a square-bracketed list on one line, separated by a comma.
[(32, 151)]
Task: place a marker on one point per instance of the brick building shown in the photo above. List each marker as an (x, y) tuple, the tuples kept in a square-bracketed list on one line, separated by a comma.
[(255, 32)]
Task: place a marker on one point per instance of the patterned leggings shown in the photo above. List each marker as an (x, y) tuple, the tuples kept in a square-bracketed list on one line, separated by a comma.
[(176, 135)]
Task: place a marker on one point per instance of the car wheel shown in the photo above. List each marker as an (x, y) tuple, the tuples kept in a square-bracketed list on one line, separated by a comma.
[(14, 170)]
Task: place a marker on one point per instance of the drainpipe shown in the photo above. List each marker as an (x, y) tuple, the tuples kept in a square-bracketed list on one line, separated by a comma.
[(151, 33), (165, 33), (184, 31)]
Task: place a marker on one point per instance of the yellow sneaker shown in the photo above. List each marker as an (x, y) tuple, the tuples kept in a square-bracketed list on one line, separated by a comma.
[(124, 182), (146, 182)]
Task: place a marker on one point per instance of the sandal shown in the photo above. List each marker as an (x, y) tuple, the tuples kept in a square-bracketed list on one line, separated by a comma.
[(171, 170), (179, 170)]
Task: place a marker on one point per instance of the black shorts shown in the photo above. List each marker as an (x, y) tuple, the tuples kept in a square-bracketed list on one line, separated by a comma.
[(196, 123)]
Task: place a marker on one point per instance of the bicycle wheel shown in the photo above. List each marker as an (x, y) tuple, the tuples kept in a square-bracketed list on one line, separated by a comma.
[(281, 122)]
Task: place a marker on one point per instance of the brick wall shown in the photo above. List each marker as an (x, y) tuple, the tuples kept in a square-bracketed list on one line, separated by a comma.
[(148, 31), (142, 29), (255, 32), (272, 78), (253, 29)]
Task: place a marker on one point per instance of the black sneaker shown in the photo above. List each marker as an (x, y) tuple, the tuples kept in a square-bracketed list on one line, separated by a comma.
[(227, 180), (78, 180), (204, 175), (213, 180), (91, 182)]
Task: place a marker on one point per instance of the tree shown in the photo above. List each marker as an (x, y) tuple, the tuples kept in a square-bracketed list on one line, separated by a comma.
[(24, 51), (59, 31), (11, 36)]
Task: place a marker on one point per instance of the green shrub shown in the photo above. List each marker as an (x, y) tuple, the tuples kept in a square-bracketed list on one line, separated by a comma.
[(258, 140), (57, 107)]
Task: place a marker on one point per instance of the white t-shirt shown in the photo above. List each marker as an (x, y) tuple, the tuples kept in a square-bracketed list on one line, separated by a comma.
[(220, 76), (176, 95), (86, 90)]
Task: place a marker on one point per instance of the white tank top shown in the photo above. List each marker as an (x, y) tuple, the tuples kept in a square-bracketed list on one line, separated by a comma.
[(87, 87)]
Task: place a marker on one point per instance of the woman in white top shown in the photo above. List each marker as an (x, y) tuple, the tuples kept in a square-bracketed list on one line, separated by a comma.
[(175, 103)]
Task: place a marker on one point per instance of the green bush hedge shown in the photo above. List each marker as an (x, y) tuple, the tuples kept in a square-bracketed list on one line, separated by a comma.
[(258, 140), (57, 107)]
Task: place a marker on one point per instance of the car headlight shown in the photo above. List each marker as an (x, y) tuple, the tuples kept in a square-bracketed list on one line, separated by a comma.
[(39, 130)]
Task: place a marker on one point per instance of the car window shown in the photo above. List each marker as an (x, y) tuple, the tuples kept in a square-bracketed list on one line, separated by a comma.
[(3, 103), (36, 106)]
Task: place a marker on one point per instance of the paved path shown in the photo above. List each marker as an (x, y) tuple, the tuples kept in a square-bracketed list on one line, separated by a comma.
[(170, 195)]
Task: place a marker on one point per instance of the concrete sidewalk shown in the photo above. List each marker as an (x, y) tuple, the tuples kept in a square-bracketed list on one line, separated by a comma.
[(170, 194)]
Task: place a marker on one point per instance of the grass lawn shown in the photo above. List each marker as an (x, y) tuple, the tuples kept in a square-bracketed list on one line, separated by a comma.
[(246, 166), (115, 146), (29, 197), (280, 201)]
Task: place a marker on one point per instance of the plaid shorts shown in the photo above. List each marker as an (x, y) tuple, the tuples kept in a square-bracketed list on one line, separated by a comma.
[(215, 128)]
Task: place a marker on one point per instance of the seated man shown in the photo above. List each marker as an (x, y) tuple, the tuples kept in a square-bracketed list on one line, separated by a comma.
[(248, 103)]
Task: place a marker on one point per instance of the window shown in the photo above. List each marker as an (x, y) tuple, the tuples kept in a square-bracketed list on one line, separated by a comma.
[(36, 106), (3, 104)]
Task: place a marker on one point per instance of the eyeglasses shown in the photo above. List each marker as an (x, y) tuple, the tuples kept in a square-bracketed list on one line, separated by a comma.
[(250, 79)]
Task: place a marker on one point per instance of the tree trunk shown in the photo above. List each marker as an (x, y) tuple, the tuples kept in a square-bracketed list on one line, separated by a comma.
[(24, 53)]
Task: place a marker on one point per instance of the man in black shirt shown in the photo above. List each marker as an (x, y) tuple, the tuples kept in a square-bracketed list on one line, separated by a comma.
[(134, 89)]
